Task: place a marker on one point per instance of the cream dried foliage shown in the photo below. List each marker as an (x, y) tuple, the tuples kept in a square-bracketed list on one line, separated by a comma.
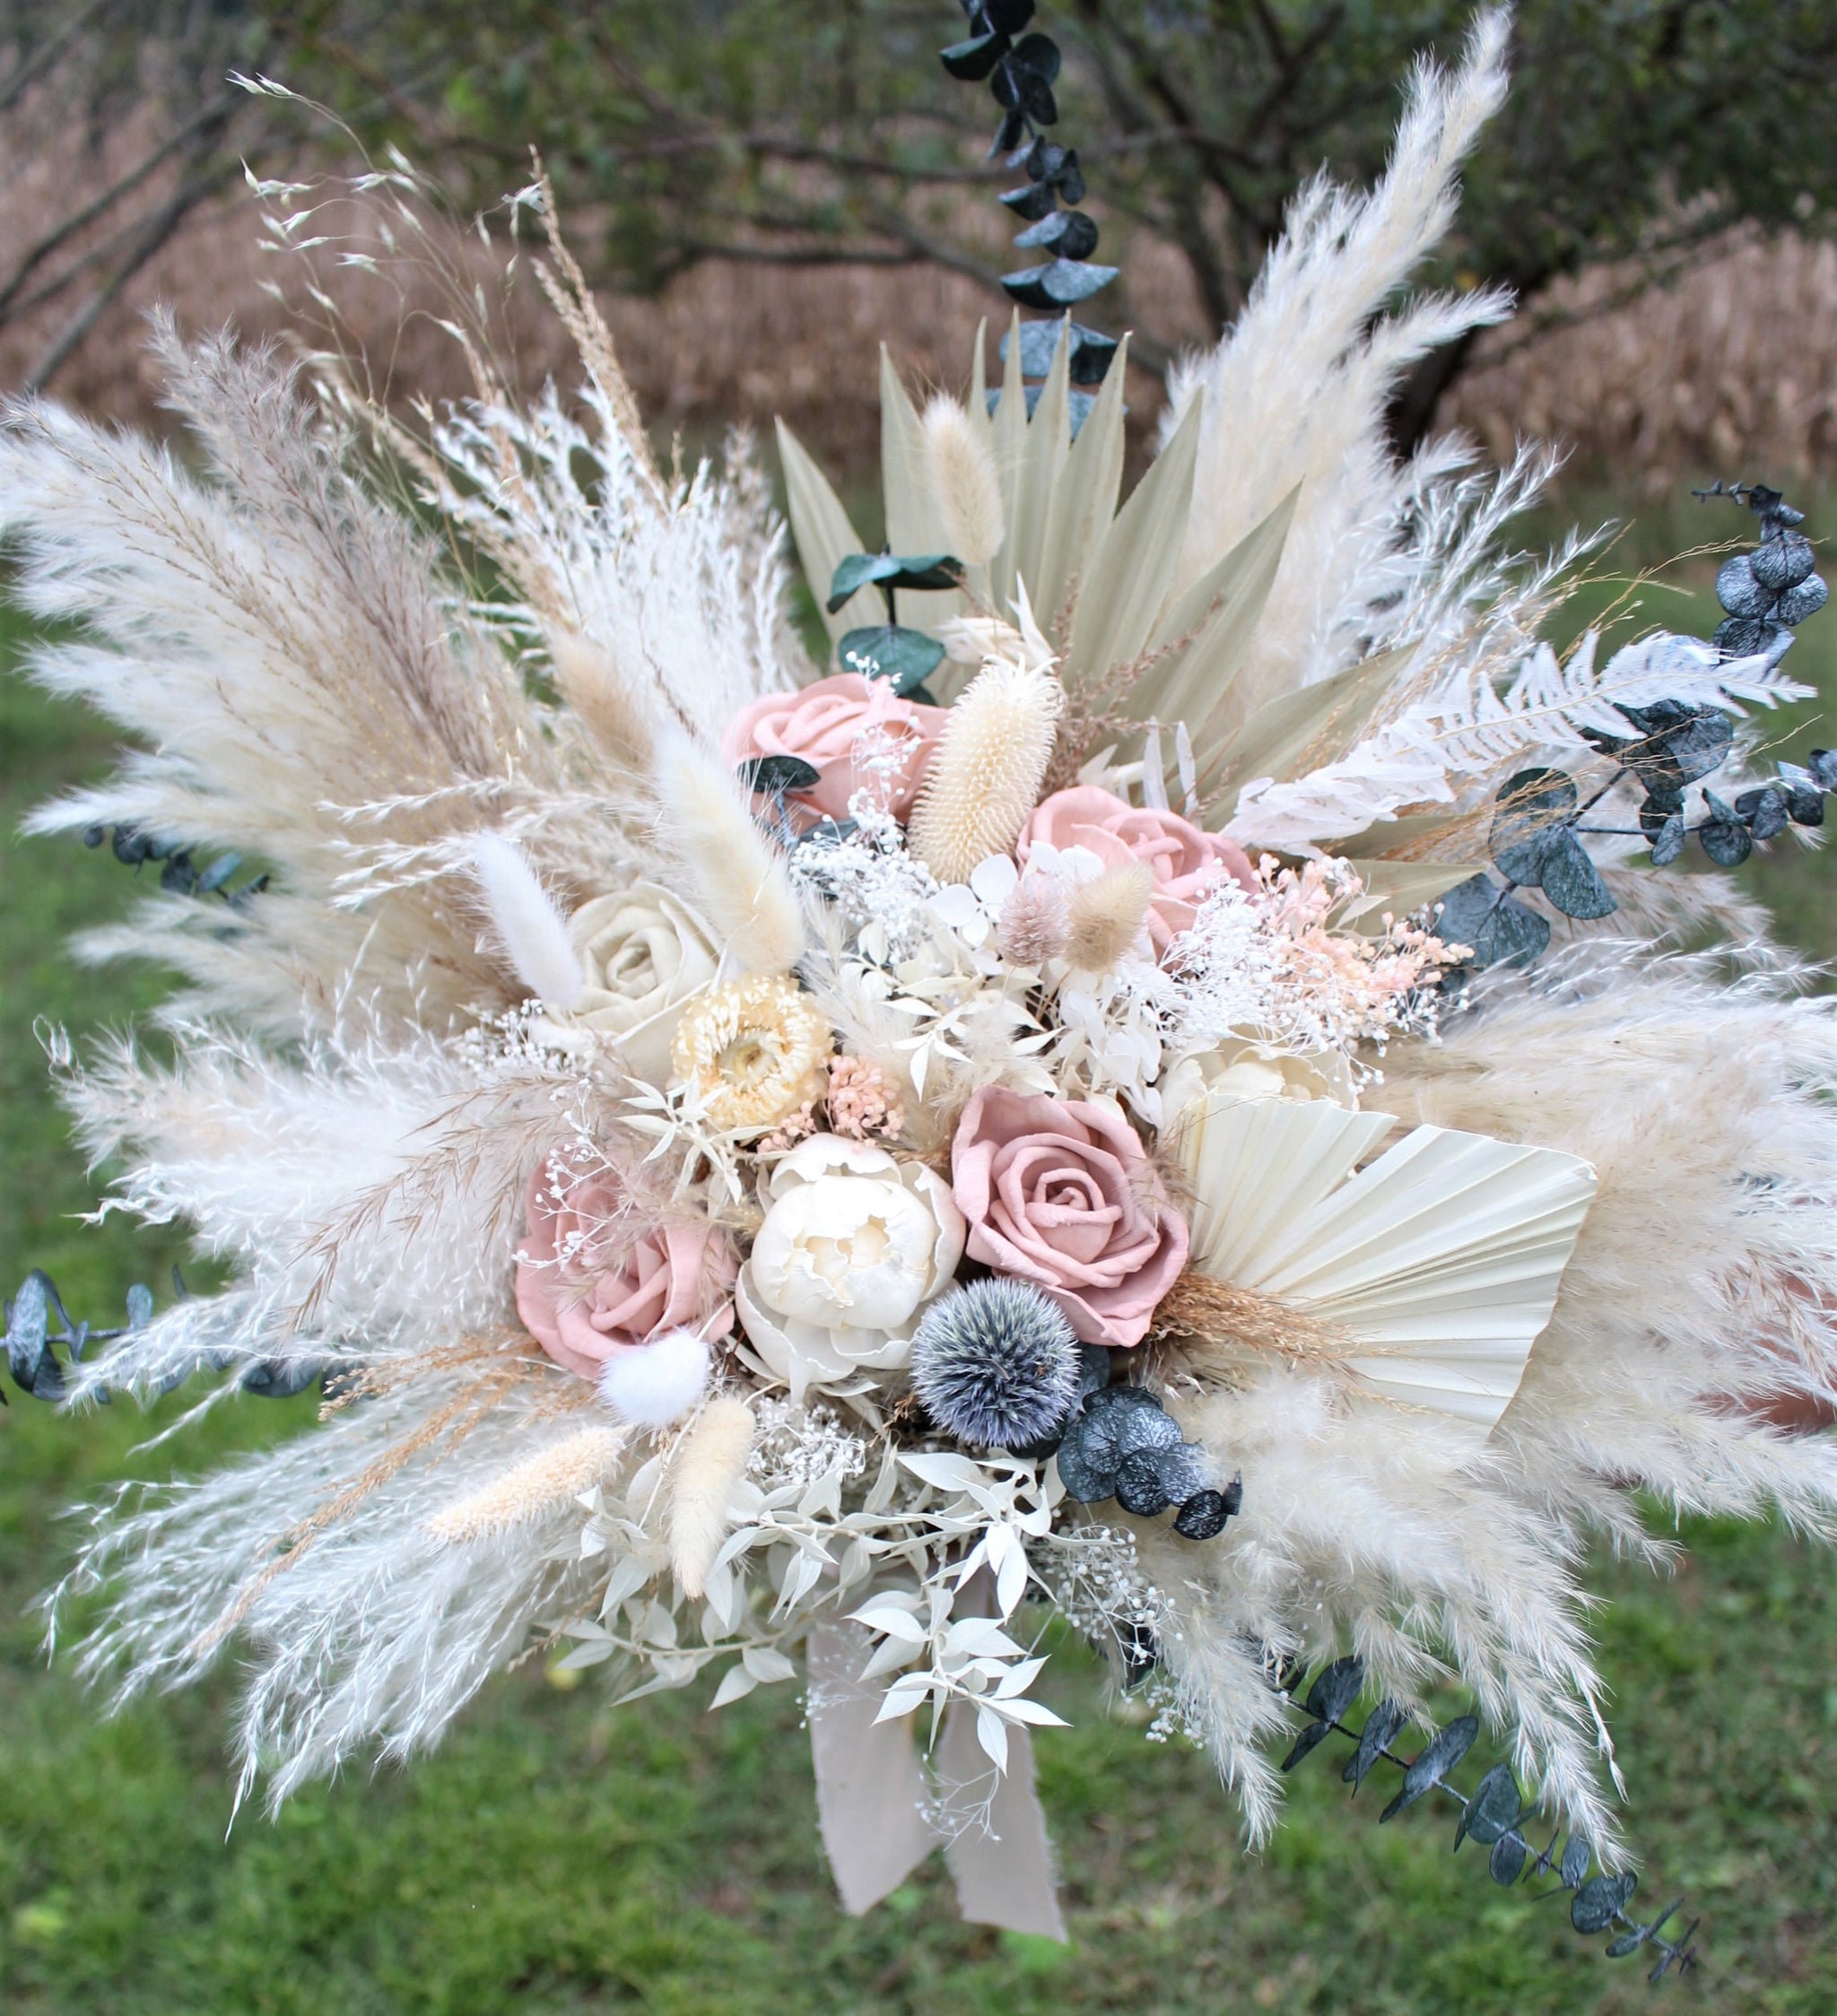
[(707, 1463), (985, 777), (534, 1490)]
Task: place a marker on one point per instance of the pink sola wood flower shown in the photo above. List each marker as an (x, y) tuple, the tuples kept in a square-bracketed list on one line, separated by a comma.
[(586, 1294), (1185, 861), (1061, 1193), (857, 732)]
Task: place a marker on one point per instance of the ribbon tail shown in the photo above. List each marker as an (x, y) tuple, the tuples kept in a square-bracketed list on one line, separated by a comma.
[(870, 1794), (1002, 1871)]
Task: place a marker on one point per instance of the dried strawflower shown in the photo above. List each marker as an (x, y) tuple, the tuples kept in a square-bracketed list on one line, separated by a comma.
[(752, 1052), (995, 1364)]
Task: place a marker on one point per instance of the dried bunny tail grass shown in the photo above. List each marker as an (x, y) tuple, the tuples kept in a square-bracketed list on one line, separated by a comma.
[(530, 1490), (709, 1460), (997, 742), (741, 882), (1106, 916), (965, 480), (590, 684), (527, 924)]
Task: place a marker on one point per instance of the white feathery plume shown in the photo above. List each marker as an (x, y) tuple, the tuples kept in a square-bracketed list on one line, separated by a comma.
[(741, 884), (706, 1463), (532, 930), (1296, 390), (989, 766), (659, 1384), (965, 480), (531, 1491)]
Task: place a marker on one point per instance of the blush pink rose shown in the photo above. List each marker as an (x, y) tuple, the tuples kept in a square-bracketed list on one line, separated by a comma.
[(857, 732), (1185, 861), (586, 1294), (1061, 1193)]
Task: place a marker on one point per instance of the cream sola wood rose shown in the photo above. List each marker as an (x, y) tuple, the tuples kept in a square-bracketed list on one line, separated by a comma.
[(854, 1243), (643, 953)]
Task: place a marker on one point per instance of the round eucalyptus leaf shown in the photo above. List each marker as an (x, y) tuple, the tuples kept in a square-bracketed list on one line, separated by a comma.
[(1493, 1811), (1336, 1688), (140, 1305), (1806, 600), (1037, 200), (1783, 562), (1823, 768), (971, 61), (1380, 1727), (1765, 810), (1570, 880), (1737, 590), (1577, 1855), (1444, 1751), (1506, 1864), (1202, 1516), (1139, 1486), (1060, 284), (925, 571), (776, 774), (1534, 808), (1007, 17), (905, 657), (1668, 842), (1805, 805), (1493, 924), (1039, 54), (1600, 1900), (1725, 841), (855, 571)]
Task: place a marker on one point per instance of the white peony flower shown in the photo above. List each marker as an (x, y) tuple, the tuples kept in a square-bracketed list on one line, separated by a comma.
[(645, 955), (854, 1244), (1248, 1068)]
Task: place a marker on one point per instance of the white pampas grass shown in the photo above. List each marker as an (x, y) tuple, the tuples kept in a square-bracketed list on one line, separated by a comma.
[(1105, 916), (532, 1489), (989, 769), (1295, 392), (965, 480), (531, 929), (741, 884), (709, 1462), (660, 1382)]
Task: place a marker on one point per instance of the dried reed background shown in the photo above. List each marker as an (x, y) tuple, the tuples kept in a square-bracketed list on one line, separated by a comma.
[(1731, 368)]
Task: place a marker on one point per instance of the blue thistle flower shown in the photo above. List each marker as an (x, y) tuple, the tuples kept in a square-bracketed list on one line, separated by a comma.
[(995, 1364)]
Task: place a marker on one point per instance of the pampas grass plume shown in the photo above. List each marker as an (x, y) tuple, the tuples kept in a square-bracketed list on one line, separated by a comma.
[(531, 1490), (989, 766), (965, 481), (741, 882), (528, 925), (709, 1461), (1106, 916)]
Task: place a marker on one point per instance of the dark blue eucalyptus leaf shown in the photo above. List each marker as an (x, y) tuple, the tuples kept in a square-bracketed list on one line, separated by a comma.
[(1806, 599), (1040, 55), (1493, 1811), (1493, 924), (1009, 133), (1783, 562), (1093, 1369), (1535, 808), (1037, 200), (1723, 836), (1070, 233), (1740, 637), (1577, 1855), (1314, 1735), (971, 61), (28, 1320), (1205, 1514), (1146, 1428), (1506, 1864), (140, 1305), (274, 1379), (891, 651), (1336, 1688), (178, 876), (219, 872), (1600, 1900), (1008, 17), (1737, 590), (1444, 1751), (1628, 1943), (1822, 765), (1572, 882), (776, 774), (1805, 804), (1140, 1489), (891, 570), (1763, 811), (1381, 1726), (1060, 284), (1668, 843)]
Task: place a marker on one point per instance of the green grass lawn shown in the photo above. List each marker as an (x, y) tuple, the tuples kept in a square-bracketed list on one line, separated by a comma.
[(557, 1855)]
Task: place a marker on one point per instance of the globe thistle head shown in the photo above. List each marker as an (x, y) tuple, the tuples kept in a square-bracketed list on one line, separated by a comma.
[(995, 1364)]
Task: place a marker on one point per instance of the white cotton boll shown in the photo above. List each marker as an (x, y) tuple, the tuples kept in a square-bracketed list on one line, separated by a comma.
[(660, 1382), (530, 926)]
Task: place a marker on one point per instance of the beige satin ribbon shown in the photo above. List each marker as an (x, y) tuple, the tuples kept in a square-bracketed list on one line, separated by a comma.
[(876, 1811)]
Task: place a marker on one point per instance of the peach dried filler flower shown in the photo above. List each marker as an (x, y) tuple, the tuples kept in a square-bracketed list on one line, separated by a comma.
[(752, 1052)]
